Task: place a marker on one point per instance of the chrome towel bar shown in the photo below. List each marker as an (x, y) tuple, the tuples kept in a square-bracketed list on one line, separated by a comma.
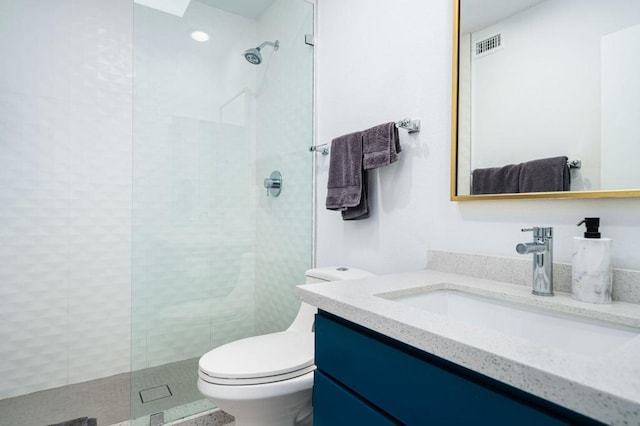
[(324, 149), (410, 125)]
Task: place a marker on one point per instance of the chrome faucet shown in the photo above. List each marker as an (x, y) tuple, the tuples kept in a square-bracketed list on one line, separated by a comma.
[(542, 249)]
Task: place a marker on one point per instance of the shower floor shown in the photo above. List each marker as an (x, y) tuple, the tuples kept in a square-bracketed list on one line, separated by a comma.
[(110, 400)]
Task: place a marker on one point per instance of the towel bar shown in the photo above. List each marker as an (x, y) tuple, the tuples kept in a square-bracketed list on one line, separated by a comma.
[(573, 164), (324, 149), (412, 126)]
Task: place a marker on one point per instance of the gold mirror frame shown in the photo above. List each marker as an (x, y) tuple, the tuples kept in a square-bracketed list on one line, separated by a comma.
[(614, 193)]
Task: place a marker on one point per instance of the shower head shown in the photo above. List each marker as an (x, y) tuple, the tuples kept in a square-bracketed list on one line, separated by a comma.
[(254, 56)]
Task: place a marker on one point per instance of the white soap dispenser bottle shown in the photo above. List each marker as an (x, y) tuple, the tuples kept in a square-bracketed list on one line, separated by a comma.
[(592, 271)]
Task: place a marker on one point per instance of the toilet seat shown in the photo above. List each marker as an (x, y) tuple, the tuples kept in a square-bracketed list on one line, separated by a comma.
[(258, 360)]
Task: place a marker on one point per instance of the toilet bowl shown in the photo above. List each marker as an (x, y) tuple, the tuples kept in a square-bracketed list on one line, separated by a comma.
[(267, 380)]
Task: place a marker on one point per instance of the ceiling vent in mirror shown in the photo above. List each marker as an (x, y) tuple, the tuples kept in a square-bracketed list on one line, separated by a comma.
[(488, 45)]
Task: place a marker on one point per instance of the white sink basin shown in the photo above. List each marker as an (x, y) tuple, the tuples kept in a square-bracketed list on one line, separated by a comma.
[(563, 331)]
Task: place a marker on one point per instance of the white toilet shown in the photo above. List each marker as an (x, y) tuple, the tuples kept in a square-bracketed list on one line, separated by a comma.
[(267, 380)]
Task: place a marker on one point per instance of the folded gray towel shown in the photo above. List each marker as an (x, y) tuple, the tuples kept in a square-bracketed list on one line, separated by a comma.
[(80, 421), (545, 175), (380, 146), (496, 180), (361, 211), (344, 186)]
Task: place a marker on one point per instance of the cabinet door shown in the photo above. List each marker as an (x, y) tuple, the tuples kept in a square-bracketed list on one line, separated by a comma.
[(418, 388), (333, 405)]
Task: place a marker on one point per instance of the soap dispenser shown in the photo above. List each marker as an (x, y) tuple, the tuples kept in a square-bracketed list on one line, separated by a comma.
[(592, 271)]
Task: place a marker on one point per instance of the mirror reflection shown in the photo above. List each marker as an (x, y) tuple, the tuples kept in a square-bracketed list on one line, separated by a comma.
[(548, 96)]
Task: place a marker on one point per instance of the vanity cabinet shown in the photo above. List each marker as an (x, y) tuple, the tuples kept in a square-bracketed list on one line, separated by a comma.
[(364, 377)]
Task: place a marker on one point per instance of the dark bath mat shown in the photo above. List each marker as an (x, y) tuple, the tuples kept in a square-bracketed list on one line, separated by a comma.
[(81, 421)]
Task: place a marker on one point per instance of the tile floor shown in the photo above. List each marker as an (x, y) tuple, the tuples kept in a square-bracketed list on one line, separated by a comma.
[(111, 399)]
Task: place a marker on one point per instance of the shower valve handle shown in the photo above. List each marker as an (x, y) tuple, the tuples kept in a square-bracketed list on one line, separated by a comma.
[(273, 183)]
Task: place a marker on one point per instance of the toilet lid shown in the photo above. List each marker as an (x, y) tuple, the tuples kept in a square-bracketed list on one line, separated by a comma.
[(263, 356)]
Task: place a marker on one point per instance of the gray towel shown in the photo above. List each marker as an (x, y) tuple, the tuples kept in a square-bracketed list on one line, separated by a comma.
[(361, 211), (545, 175), (380, 145), (344, 186), (496, 180), (81, 421)]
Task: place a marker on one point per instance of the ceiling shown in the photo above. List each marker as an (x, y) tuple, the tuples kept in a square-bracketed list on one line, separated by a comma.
[(173, 7), (478, 14), (247, 8)]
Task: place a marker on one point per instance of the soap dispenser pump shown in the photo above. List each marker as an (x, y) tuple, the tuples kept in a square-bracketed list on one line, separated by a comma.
[(592, 270)]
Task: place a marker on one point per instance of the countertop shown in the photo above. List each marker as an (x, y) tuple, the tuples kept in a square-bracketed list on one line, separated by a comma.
[(605, 387)]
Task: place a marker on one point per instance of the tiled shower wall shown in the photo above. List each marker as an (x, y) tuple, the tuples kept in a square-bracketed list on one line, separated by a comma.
[(65, 191), (285, 132)]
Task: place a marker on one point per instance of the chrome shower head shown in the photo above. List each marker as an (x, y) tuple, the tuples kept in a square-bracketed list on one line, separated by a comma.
[(254, 56)]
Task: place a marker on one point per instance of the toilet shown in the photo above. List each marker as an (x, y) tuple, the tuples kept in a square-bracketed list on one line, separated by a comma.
[(267, 380)]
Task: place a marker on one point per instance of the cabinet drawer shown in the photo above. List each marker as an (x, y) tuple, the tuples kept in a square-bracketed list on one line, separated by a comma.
[(335, 406), (419, 388)]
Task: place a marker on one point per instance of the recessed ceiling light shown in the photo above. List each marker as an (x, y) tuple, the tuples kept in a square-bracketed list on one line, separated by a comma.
[(200, 36)]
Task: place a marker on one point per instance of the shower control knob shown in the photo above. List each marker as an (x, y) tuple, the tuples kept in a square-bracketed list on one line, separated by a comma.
[(274, 183)]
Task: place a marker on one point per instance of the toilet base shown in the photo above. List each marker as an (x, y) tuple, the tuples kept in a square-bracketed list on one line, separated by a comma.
[(283, 403)]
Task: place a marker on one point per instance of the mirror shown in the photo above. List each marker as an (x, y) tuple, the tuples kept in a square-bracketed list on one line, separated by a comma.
[(541, 79)]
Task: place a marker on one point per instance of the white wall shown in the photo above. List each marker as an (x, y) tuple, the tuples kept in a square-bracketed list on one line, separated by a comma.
[(379, 61)]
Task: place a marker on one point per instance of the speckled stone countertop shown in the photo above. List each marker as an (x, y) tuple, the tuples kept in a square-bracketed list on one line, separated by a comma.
[(605, 387)]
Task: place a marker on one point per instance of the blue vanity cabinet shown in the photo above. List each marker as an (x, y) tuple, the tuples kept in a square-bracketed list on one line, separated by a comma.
[(364, 377)]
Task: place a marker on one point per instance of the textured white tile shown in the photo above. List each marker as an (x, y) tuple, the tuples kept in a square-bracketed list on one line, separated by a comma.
[(33, 329), (284, 115), (65, 191), (174, 343), (228, 331), (99, 321)]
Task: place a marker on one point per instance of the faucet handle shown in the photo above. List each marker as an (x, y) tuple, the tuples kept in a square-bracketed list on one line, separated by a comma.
[(527, 229)]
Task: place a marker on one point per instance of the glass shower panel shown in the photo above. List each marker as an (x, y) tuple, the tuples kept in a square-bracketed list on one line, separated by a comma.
[(213, 258), (284, 126)]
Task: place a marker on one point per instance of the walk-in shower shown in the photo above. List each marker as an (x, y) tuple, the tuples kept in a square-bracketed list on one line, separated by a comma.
[(136, 231), (254, 56)]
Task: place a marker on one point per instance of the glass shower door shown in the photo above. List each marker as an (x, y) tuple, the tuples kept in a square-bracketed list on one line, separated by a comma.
[(214, 258)]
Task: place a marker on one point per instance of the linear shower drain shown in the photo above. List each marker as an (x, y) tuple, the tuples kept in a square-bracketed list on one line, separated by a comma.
[(152, 394)]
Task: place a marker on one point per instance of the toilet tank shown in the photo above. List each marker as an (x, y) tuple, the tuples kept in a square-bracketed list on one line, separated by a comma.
[(335, 273), (306, 314)]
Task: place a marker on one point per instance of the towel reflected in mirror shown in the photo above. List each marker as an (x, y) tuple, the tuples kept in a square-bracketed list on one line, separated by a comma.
[(541, 175)]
